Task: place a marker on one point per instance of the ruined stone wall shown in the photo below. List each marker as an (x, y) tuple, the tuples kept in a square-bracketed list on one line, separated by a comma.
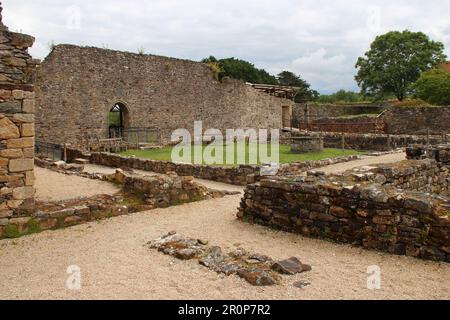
[(241, 175), (417, 120), (359, 124), (375, 142), (396, 120), (76, 87), (16, 127), (363, 209)]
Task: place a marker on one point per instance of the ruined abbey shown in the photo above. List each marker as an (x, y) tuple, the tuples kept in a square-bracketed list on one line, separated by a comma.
[(77, 87)]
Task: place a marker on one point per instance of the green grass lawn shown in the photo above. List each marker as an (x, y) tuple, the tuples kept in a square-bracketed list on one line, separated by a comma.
[(165, 154)]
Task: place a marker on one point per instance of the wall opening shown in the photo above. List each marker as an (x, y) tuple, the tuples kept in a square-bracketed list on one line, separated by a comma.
[(117, 120), (287, 117)]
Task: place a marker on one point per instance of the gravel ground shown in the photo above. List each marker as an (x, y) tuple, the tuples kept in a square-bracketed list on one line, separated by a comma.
[(115, 264), (366, 161), (54, 186)]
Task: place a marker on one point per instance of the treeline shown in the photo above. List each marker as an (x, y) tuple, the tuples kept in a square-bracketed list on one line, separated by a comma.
[(246, 71)]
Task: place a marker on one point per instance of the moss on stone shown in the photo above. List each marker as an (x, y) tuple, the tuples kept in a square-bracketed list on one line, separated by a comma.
[(10, 231)]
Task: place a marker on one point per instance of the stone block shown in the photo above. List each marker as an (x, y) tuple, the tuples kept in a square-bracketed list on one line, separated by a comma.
[(29, 178), (23, 193), (27, 130), (23, 118), (20, 143), (29, 95), (5, 94), (28, 106), (15, 62), (11, 107), (11, 153), (28, 153), (3, 164), (20, 165), (17, 94), (8, 130), (4, 214)]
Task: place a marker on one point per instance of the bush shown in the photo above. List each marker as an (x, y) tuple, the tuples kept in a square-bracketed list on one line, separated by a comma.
[(433, 87)]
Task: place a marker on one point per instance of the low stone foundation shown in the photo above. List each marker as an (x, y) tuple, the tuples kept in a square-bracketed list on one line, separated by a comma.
[(362, 208), (240, 176)]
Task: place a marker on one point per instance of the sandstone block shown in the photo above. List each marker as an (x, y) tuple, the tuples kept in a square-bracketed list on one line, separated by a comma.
[(28, 153), (5, 94), (14, 204), (29, 95), (8, 130), (6, 214), (28, 106), (17, 94), (29, 178), (11, 153), (20, 143), (23, 193), (3, 163), (23, 118), (27, 130), (20, 165)]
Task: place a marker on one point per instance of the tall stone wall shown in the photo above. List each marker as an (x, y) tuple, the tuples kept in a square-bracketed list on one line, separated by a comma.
[(76, 87), (16, 127)]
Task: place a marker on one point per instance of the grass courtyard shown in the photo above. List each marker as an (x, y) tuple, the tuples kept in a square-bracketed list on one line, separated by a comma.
[(165, 154)]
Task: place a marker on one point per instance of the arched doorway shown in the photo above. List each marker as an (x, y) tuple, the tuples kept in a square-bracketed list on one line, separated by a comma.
[(117, 120)]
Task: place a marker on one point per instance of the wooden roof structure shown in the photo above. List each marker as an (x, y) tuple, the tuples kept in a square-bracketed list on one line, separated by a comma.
[(286, 92)]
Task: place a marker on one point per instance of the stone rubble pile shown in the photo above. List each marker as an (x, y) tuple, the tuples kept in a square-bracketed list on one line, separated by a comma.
[(256, 269)]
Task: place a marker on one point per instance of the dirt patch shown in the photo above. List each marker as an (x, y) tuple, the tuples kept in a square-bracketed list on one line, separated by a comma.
[(54, 186)]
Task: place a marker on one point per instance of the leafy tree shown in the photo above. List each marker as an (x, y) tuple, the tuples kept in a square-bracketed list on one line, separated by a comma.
[(433, 87), (242, 70), (287, 78), (395, 61), (341, 96)]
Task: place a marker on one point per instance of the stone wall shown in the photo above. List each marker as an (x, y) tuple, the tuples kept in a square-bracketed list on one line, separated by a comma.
[(361, 209), (76, 87), (396, 120), (241, 175), (312, 111), (16, 127), (375, 142), (417, 120), (358, 124)]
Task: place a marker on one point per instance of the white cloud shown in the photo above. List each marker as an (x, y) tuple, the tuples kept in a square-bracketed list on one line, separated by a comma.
[(320, 39)]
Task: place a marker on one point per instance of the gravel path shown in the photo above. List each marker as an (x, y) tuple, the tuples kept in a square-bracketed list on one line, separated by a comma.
[(115, 264), (366, 161), (54, 186)]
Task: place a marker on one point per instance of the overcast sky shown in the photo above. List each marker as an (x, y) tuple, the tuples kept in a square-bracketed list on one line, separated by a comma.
[(320, 40)]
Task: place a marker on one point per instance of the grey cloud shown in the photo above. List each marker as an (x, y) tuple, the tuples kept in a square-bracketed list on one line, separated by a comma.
[(319, 39)]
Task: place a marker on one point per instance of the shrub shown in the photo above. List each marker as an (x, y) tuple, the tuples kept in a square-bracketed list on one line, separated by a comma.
[(433, 87)]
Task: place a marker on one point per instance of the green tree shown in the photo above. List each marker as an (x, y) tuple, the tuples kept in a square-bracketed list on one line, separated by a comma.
[(395, 61), (242, 70), (342, 96), (433, 87), (305, 93)]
